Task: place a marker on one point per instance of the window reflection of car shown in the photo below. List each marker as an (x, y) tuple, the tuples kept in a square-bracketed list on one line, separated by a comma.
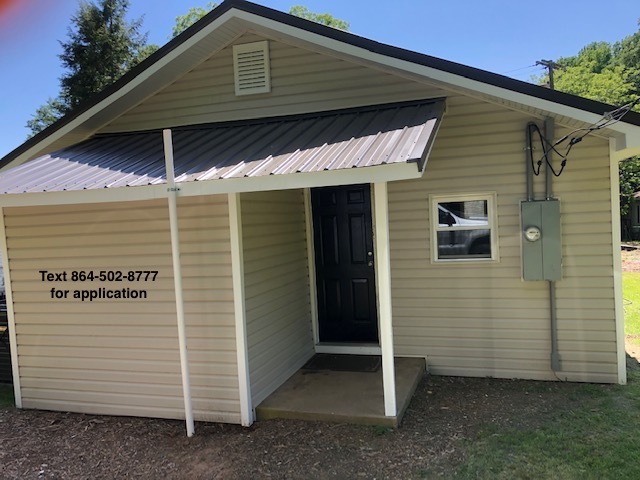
[(463, 238)]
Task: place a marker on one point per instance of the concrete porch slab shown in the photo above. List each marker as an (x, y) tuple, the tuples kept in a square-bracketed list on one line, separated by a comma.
[(349, 397)]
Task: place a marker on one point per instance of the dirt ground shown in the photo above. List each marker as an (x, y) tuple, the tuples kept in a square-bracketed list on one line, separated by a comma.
[(443, 415), (631, 260), (430, 443)]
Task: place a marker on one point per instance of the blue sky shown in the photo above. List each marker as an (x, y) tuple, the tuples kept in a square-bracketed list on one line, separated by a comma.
[(502, 36)]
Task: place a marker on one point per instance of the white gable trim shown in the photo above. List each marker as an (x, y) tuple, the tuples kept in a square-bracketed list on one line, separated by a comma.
[(345, 50)]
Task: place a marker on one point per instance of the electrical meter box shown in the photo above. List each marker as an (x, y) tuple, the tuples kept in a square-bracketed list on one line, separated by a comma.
[(541, 247)]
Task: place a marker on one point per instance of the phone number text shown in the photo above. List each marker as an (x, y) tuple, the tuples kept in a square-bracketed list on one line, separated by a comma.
[(99, 276)]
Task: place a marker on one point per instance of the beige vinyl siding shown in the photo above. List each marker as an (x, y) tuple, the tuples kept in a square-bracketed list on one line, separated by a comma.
[(276, 288), (480, 318), (121, 356), (301, 81)]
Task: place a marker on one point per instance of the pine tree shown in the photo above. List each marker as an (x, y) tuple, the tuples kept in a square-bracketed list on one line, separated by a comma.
[(101, 46)]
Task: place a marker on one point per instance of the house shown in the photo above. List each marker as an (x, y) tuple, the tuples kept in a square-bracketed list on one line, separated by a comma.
[(263, 188), (631, 221)]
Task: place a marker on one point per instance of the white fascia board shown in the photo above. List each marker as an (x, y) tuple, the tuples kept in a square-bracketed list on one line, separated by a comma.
[(377, 173), (374, 174), (124, 90), (71, 197), (343, 50)]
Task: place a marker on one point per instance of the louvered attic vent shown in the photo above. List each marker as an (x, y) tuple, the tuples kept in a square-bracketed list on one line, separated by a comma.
[(251, 68)]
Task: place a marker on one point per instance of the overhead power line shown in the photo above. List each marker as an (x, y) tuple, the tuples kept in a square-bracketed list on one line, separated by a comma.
[(519, 69)]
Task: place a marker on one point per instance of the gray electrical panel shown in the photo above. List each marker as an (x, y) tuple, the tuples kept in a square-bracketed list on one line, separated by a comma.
[(541, 246)]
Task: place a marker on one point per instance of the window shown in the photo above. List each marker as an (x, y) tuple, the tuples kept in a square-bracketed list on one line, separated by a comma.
[(465, 229)]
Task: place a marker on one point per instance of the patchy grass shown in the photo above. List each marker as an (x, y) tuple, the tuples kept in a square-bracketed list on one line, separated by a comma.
[(592, 433), (6, 395), (595, 436), (631, 293)]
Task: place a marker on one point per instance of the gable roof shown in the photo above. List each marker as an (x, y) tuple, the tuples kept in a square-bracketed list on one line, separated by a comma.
[(220, 26)]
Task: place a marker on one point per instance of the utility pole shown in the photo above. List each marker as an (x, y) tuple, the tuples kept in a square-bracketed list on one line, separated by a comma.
[(551, 66)]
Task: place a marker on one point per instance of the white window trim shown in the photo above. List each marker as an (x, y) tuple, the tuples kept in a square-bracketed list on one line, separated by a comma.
[(492, 217)]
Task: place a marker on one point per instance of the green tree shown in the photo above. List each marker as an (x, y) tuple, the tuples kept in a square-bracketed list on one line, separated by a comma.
[(46, 115), (627, 54), (629, 182), (196, 13), (598, 74), (323, 18), (192, 16), (610, 74), (101, 46)]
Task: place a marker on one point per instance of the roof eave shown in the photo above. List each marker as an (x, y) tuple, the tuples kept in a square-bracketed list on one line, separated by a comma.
[(432, 68)]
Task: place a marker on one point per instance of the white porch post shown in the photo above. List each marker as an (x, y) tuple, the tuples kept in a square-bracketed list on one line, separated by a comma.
[(172, 193), (383, 281), (237, 269), (617, 263)]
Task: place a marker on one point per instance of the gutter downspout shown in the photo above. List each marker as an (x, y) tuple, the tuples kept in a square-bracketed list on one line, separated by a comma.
[(172, 194), (549, 128)]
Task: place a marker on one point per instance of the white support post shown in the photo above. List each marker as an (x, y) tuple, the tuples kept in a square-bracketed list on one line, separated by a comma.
[(172, 193), (383, 281), (311, 265), (13, 339), (237, 271), (617, 264)]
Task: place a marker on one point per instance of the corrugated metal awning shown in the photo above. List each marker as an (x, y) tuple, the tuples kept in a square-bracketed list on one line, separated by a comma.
[(345, 139)]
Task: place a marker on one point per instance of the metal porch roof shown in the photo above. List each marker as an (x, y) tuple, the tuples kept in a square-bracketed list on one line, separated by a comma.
[(343, 139)]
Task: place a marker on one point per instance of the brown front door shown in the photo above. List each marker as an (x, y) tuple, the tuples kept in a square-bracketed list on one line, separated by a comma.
[(345, 276)]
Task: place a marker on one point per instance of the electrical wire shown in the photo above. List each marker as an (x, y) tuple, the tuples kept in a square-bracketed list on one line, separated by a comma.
[(518, 69), (545, 154), (608, 119), (535, 167)]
